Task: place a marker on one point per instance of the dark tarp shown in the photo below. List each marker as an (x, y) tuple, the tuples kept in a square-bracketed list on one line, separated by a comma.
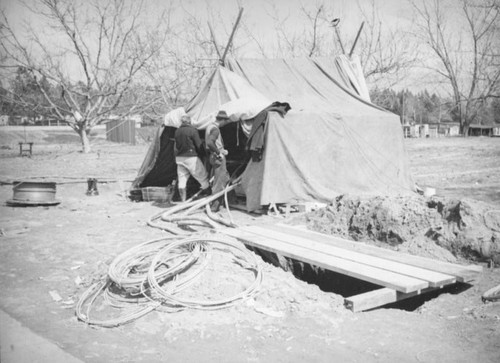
[(158, 168)]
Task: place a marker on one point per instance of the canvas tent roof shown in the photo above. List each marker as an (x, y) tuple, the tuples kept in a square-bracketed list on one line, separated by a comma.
[(224, 87), (332, 141)]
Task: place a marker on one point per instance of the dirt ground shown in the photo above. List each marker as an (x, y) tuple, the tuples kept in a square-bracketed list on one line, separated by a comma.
[(50, 255)]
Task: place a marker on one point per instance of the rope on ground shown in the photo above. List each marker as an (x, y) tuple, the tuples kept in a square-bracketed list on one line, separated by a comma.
[(151, 275), (168, 295), (226, 202), (89, 297), (57, 179)]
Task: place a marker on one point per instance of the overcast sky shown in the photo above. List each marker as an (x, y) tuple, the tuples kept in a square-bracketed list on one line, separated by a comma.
[(258, 17), (256, 11)]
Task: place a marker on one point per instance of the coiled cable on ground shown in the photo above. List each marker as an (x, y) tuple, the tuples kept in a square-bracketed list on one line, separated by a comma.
[(168, 295), (89, 298), (151, 275), (129, 269)]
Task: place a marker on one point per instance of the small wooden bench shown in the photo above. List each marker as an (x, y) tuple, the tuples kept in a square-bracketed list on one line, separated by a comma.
[(25, 148), (399, 275)]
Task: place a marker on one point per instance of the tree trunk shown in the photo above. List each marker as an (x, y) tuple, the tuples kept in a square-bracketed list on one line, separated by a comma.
[(84, 136), (464, 129)]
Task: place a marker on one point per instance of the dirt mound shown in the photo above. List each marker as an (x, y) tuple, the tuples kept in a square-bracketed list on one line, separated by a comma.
[(432, 227)]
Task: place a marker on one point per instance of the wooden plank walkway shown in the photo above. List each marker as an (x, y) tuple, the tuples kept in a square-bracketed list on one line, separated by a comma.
[(462, 273), (399, 275)]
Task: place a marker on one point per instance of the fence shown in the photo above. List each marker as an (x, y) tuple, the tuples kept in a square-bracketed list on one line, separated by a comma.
[(121, 131)]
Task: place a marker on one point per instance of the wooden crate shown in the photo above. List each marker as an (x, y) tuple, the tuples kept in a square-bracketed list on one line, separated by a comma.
[(157, 194)]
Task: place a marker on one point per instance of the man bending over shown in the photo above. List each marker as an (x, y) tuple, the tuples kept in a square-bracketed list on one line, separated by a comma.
[(188, 146)]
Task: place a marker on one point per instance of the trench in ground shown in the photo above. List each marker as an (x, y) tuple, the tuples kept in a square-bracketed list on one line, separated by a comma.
[(347, 286)]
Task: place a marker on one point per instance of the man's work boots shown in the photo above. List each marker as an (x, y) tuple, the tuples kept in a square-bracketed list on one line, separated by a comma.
[(215, 205)]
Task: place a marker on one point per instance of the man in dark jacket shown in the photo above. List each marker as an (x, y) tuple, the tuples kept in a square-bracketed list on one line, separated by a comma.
[(188, 145)]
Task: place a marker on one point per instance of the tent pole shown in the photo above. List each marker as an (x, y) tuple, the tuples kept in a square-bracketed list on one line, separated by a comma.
[(231, 36), (340, 40), (335, 23), (356, 40), (214, 40)]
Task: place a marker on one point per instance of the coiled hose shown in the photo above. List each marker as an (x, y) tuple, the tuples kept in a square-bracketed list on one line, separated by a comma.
[(150, 275)]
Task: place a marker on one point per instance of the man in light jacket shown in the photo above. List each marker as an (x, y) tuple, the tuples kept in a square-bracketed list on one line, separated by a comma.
[(217, 156)]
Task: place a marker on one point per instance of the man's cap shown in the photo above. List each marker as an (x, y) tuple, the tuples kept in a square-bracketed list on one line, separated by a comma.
[(222, 115), (185, 119)]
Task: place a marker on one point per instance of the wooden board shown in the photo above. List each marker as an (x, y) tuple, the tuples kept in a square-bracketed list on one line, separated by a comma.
[(358, 270), (379, 297), (462, 273), (401, 276), (435, 279)]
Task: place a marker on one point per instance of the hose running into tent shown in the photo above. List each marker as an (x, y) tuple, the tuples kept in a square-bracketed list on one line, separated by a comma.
[(151, 275), (182, 214)]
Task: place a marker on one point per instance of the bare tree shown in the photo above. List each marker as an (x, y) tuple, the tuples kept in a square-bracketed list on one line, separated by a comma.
[(307, 34), (188, 59), (93, 53), (385, 53), (178, 71), (467, 56)]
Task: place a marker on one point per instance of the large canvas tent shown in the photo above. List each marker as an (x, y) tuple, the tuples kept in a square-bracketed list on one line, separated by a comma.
[(333, 141)]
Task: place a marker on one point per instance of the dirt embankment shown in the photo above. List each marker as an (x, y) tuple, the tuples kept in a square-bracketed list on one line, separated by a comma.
[(448, 229)]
